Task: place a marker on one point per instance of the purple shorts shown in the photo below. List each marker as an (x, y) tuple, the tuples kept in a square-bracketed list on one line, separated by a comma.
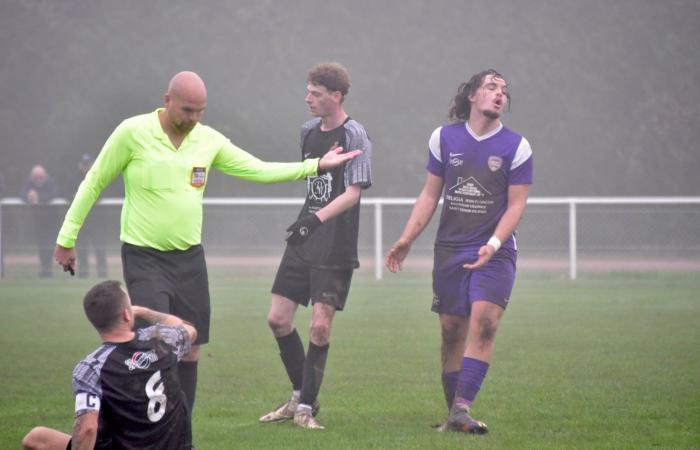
[(455, 288)]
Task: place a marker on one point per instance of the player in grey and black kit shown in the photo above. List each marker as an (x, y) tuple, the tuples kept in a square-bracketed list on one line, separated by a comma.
[(322, 244), (127, 392)]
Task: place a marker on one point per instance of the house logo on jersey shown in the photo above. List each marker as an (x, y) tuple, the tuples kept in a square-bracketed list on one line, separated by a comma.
[(141, 360), (319, 188), (469, 187), (495, 163)]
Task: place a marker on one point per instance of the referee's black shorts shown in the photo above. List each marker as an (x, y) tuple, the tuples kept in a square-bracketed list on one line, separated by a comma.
[(173, 282)]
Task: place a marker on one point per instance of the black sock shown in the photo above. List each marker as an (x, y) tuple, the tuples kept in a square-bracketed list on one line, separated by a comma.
[(314, 366), (187, 371), (292, 354)]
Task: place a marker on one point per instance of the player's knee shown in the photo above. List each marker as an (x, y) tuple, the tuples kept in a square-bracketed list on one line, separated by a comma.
[(320, 332), (487, 330), (32, 441), (452, 334), (280, 326)]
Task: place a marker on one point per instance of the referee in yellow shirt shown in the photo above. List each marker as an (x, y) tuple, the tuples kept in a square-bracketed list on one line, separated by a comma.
[(165, 157)]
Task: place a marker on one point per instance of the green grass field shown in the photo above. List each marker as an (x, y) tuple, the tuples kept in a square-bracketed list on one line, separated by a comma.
[(606, 362)]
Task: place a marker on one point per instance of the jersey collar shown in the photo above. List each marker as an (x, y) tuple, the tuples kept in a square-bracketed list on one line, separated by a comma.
[(157, 130), (485, 136)]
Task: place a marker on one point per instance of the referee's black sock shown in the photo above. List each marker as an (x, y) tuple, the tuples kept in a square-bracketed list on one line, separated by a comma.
[(314, 366), (292, 354), (187, 371)]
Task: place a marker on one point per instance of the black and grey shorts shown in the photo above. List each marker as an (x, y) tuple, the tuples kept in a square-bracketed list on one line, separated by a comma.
[(174, 282), (300, 282)]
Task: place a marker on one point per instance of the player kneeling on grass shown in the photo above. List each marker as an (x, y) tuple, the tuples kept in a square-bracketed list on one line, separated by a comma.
[(127, 392), (485, 171)]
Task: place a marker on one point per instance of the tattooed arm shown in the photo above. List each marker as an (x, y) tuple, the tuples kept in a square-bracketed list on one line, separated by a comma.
[(85, 431), (155, 317)]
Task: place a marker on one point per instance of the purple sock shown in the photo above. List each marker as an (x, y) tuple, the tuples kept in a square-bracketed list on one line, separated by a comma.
[(471, 375), (449, 385)]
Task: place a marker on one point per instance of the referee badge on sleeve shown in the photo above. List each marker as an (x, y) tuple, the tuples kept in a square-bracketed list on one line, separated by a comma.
[(199, 176)]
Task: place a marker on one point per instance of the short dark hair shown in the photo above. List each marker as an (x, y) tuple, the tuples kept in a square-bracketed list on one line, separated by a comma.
[(104, 303), (461, 106), (331, 75)]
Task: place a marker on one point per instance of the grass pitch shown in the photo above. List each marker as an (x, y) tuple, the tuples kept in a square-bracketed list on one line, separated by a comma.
[(610, 362)]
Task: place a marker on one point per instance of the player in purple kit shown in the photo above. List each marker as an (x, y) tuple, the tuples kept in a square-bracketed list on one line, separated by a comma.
[(485, 170)]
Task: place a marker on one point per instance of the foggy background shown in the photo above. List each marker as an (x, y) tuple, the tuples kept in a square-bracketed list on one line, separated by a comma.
[(607, 93)]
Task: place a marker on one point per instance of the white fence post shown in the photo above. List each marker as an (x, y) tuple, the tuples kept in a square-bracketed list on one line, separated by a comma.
[(572, 239)]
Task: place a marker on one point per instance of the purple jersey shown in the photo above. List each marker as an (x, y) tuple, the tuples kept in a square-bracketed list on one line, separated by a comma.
[(477, 171)]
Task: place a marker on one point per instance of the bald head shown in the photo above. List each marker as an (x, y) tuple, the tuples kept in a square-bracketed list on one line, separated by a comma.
[(38, 175), (185, 102), (188, 86)]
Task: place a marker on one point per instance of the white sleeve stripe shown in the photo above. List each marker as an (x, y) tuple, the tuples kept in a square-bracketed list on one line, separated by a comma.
[(522, 154), (434, 144)]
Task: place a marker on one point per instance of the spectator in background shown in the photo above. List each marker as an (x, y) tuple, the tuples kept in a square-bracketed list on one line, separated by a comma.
[(90, 235), (38, 191)]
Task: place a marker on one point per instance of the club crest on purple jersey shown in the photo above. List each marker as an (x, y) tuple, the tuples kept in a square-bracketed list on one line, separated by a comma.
[(495, 163)]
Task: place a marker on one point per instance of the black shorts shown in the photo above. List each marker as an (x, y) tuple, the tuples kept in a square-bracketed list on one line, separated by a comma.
[(300, 283), (173, 282)]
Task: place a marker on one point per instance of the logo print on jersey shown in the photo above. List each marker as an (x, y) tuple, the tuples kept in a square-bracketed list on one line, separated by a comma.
[(469, 187), (495, 163), (141, 360), (454, 161), (319, 188)]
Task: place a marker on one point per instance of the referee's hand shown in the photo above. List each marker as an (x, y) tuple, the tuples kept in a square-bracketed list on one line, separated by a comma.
[(65, 257), (299, 231)]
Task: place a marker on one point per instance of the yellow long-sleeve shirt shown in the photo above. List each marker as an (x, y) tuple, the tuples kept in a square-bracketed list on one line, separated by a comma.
[(164, 186)]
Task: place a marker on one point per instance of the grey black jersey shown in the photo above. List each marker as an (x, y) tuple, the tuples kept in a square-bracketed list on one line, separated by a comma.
[(334, 244), (135, 388)]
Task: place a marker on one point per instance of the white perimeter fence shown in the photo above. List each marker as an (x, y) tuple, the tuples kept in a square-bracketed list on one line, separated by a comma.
[(557, 233)]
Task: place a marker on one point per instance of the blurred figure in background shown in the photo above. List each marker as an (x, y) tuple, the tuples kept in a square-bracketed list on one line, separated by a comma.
[(90, 235), (38, 190)]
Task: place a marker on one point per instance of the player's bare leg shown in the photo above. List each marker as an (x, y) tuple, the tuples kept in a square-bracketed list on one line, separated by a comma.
[(454, 335), (43, 438)]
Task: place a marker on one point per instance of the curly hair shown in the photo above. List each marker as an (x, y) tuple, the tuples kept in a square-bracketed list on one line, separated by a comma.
[(460, 106), (331, 75)]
